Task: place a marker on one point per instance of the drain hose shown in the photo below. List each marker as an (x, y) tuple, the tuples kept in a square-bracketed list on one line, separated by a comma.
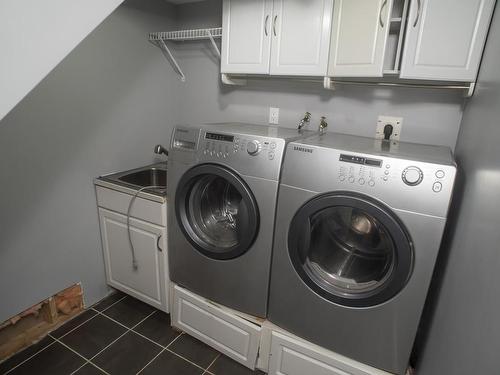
[(135, 265)]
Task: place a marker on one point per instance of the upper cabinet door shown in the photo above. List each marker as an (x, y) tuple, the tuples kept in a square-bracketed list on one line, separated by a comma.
[(359, 36), (445, 39), (301, 37), (246, 36)]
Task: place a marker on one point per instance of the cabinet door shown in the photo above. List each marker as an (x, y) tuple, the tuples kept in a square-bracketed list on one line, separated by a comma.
[(246, 36), (359, 36), (149, 281), (301, 37), (445, 39)]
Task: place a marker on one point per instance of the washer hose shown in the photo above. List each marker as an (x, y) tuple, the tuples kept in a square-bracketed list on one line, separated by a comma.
[(135, 265)]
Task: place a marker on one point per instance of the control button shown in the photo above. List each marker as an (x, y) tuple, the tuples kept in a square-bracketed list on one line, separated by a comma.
[(361, 181), (371, 183), (386, 178), (387, 166), (386, 173), (342, 177), (351, 179), (254, 147), (412, 176), (436, 188), (440, 174), (271, 155), (273, 145)]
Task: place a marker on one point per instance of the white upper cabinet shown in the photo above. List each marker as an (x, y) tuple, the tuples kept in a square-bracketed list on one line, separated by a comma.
[(280, 37), (359, 36), (301, 37), (246, 36), (445, 39)]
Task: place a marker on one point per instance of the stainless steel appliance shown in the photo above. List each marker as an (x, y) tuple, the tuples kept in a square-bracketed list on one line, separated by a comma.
[(222, 190), (358, 228)]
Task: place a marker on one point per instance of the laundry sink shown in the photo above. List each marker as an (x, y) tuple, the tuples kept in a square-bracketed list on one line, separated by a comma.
[(147, 177), (153, 177)]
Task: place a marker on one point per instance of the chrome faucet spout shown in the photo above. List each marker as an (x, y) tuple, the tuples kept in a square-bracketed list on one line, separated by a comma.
[(159, 149)]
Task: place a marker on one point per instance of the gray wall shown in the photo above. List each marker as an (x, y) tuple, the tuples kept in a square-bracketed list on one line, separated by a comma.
[(102, 109), (430, 116), (464, 330)]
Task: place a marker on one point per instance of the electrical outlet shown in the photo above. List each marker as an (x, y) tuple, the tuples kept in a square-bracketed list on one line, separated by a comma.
[(274, 115), (396, 122)]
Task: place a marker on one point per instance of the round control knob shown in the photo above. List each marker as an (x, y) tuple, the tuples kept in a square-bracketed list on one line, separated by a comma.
[(254, 147), (412, 176)]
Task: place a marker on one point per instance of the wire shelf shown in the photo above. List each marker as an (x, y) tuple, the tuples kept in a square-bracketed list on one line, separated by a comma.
[(180, 35)]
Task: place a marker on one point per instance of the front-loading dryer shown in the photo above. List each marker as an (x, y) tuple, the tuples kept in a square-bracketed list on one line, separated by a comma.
[(222, 193), (358, 228)]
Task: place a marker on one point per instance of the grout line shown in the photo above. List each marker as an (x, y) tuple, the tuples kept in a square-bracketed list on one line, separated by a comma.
[(27, 359), (73, 350), (118, 338), (176, 337), (78, 326), (114, 303), (132, 329), (147, 364), (184, 358), (210, 365), (78, 369)]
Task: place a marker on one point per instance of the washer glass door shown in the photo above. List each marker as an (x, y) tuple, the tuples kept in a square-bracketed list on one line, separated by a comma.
[(350, 249), (216, 211)]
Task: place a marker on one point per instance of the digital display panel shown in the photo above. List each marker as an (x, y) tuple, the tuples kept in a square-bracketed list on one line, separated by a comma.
[(219, 137), (360, 160)]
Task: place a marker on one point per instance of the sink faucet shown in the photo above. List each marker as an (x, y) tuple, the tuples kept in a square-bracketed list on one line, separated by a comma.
[(159, 149)]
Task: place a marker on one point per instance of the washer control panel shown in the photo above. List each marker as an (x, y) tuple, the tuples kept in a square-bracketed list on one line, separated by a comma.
[(225, 146), (364, 171)]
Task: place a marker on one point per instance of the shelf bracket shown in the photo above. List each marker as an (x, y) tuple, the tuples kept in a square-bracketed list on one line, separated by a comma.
[(168, 55), (216, 48), (159, 38)]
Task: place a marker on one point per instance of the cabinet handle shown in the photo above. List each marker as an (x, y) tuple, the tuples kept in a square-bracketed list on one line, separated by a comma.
[(380, 14), (274, 24), (158, 243), (265, 24), (418, 13)]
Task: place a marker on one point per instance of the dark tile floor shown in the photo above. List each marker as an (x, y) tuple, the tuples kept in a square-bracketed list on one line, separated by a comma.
[(120, 335)]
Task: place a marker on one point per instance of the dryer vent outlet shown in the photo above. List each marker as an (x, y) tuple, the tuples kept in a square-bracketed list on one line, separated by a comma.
[(395, 122)]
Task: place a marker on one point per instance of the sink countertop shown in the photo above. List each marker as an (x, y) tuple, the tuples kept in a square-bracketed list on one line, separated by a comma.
[(112, 181)]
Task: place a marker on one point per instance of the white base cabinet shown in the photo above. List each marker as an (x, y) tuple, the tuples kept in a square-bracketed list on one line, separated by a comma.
[(148, 281), (293, 356), (228, 333)]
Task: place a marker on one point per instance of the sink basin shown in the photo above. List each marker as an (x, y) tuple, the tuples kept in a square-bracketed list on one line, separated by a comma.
[(146, 177), (152, 175)]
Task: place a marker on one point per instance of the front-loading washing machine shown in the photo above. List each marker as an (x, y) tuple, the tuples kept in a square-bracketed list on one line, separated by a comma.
[(222, 193), (358, 228)]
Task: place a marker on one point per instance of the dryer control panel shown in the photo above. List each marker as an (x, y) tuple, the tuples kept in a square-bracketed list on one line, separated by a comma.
[(377, 171)]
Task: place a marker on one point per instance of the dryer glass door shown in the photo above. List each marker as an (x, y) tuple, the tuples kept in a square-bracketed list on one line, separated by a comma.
[(216, 211), (350, 249)]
